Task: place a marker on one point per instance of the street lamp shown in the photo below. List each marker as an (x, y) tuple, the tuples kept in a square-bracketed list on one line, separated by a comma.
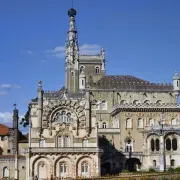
[(162, 145)]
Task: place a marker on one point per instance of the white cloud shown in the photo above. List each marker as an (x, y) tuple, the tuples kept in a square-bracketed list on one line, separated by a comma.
[(58, 51), (6, 118), (90, 49), (9, 86), (86, 49), (29, 52), (2, 93)]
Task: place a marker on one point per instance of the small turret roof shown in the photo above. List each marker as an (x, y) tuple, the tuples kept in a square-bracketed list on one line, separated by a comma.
[(176, 76)]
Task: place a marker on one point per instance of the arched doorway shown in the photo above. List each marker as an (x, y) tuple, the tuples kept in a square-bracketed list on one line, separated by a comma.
[(133, 164)]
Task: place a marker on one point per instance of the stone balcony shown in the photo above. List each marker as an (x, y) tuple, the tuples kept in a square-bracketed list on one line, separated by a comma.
[(48, 150)]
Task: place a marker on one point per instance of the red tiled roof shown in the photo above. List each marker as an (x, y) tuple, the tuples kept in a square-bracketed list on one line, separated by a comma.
[(4, 130)]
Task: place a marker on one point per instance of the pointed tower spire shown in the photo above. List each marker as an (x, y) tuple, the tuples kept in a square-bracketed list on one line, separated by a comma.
[(72, 54), (15, 129)]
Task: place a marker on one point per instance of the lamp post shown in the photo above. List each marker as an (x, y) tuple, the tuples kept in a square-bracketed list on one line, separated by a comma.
[(162, 146)]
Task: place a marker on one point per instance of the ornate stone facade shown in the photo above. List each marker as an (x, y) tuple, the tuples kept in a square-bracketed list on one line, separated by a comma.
[(99, 124)]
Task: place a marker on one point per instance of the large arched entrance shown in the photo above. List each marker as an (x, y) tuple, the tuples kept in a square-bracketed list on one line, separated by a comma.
[(133, 164)]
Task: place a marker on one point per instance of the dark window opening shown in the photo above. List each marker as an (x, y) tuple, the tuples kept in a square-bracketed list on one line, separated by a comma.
[(152, 145), (168, 144), (174, 144), (157, 144)]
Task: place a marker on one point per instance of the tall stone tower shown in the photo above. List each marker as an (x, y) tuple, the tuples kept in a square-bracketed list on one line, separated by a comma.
[(72, 55), (15, 148)]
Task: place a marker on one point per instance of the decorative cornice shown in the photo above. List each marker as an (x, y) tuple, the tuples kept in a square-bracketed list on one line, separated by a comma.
[(145, 108)]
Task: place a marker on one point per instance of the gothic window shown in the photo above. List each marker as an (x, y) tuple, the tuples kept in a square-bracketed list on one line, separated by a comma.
[(140, 123), (85, 168), (157, 144), (151, 122), (104, 105), (104, 125), (5, 172), (63, 117), (66, 141), (174, 144), (168, 144), (128, 123), (85, 143), (154, 163), (172, 162), (72, 73), (135, 102), (60, 141), (173, 122), (152, 145), (63, 168), (129, 145), (123, 102), (97, 70), (42, 143)]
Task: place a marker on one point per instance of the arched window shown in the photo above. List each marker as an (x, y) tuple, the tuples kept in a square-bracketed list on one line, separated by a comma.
[(85, 168), (42, 170), (60, 141), (174, 144), (154, 163), (135, 102), (151, 122), (173, 122), (128, 123), (129, 145), (123, 102), (159, 102), (140, 123), (104, 105), (172, 162), (85, 143), (82, 82), (63, 168), (5, 172), (104, 126), (42, 143), (168, 144), (157, 144), (97, 70), (152, 145), (63, 117), (66, 141), (147, 102)]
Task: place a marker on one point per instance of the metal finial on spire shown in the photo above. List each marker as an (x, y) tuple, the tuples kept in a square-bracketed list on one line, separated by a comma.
[(15, 105), (72, 3)]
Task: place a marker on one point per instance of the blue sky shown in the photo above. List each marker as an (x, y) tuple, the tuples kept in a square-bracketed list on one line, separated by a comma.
[(141, 38)]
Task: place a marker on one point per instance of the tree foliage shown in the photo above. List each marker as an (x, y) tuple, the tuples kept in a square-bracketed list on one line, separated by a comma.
[(25, 120)]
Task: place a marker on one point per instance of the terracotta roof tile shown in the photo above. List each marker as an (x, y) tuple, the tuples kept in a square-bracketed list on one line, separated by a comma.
[(4, 130)]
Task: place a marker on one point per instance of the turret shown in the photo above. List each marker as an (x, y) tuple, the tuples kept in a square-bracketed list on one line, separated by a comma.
[(40, 105), (176, 82), (16, 131), (72, 55)]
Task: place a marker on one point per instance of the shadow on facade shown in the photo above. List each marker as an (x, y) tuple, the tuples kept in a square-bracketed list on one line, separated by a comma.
[(114, 161)]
